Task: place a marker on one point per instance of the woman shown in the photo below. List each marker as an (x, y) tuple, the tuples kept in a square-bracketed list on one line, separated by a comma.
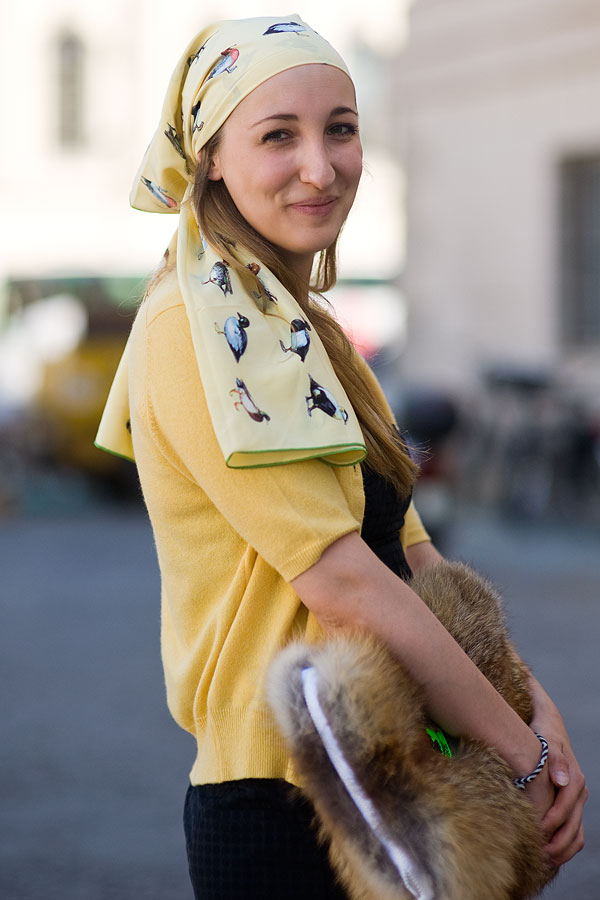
[(248, 414)]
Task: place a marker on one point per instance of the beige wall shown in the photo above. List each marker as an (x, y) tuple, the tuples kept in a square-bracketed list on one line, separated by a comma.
[(493, 94)]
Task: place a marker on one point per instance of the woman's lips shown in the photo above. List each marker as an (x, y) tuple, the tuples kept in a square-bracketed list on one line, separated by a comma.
[(316, 207)]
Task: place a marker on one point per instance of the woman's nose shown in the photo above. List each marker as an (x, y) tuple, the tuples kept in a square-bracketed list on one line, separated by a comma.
[(316, 166)]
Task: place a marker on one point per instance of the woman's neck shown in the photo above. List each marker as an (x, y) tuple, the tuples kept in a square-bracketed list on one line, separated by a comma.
[(301, 264)]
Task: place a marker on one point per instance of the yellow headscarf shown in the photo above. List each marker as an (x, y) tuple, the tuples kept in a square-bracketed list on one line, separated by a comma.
[(270, 388)]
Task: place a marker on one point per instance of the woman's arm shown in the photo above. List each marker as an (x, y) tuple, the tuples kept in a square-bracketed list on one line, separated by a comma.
[(350, 586), (420, 556), (563, 822)]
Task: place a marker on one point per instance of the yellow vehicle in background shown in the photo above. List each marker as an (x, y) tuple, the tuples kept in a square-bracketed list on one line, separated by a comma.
[(71, 398), (58, 424)]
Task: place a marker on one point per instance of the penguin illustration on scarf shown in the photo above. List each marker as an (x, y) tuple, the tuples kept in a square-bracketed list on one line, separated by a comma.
[(234, 330), (220, 276), (299, 338), (283, 27), (197, 124), (173, 136), (322, 399)]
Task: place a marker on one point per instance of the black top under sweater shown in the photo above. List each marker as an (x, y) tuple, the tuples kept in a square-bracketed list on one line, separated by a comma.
[(384, 517)]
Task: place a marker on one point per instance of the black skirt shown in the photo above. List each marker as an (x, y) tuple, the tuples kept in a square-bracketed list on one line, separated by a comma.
[(255, 840)]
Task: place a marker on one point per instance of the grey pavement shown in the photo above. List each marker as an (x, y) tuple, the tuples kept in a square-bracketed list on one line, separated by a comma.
[(93, 771)]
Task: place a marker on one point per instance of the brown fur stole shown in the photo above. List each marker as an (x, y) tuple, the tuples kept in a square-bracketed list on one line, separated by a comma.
[(459, 825)]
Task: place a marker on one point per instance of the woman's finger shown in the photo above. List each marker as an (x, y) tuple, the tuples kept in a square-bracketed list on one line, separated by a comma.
[(569, 802), (558, 767), (567, 839), (562, 848)]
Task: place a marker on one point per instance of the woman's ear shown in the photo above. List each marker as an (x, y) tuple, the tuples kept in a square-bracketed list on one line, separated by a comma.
[(214, 171)]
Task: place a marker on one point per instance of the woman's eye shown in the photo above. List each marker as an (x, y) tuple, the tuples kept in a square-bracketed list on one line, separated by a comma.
[(343, 129), (275, 137)]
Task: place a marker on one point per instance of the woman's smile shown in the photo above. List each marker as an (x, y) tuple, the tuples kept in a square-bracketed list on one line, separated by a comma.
[(317, 206)]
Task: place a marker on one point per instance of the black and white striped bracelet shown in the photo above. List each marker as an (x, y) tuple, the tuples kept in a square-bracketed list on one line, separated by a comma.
[(521, 783)]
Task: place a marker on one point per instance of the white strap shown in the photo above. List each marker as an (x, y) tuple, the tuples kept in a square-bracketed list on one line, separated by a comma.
[(416, 881)]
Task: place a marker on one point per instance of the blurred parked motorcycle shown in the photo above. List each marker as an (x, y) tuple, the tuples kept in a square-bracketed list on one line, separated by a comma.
[(429, 420)]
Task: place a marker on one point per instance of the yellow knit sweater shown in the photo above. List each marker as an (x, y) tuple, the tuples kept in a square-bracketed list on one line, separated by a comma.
[(229, 541)]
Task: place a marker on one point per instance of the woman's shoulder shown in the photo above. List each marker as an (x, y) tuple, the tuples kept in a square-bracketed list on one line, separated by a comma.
[(161, 321), (162, 294)]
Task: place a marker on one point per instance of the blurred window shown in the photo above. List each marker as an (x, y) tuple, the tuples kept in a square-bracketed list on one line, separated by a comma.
[(580, 228), (71, 65)]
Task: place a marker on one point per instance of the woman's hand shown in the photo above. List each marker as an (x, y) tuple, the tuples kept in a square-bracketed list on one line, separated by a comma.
[(562, 823), (541, 793)]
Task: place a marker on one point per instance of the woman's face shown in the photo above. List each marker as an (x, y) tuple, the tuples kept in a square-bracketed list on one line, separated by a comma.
[(291, 158)]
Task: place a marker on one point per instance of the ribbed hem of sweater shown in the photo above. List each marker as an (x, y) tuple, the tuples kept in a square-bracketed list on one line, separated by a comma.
[(240, 743)]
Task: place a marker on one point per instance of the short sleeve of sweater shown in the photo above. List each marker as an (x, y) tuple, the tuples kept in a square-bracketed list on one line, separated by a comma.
[(289, 514), (413, 530)]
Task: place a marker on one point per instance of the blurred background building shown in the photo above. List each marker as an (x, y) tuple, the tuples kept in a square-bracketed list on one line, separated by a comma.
[(500, 135)]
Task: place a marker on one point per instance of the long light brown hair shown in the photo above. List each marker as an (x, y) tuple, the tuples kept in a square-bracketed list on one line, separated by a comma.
[(223, 227)]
